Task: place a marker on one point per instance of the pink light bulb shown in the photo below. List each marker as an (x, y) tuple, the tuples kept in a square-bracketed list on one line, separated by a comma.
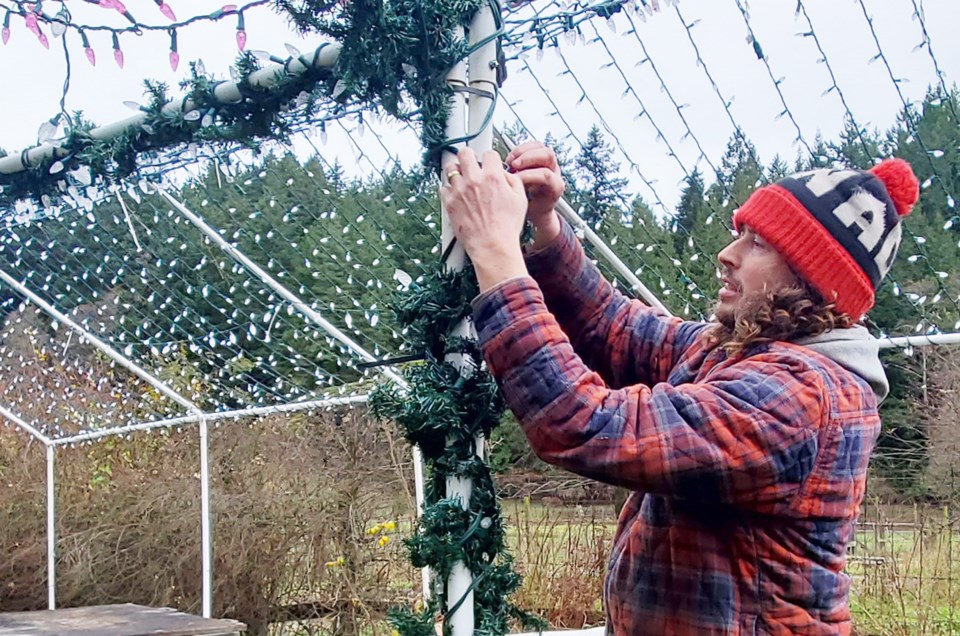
[(5, 35), (118, 56), (91, 56), (113, 4), (174, 60), (228, 7), (167, 12), (241, 39), (31, 20)]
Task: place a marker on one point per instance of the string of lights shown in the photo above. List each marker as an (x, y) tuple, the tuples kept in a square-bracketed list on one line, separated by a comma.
[(585, 97), (648, 59), (622, 199), (758, 49), (928, 154), (724, 101), (811, 33), (920, 15)]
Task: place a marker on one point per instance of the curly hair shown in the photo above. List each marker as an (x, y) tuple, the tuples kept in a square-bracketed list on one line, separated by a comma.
[(787, 314)]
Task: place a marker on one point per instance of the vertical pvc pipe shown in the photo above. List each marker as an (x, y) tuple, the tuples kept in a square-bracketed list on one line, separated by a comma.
[(483, 80), (51, 531), (482, 97), (206, 544), (421, 496), (461, 622)]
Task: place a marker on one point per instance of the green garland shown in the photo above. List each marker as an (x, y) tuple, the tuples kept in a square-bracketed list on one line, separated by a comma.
[(442, 411), (262, 114), (396, 49)]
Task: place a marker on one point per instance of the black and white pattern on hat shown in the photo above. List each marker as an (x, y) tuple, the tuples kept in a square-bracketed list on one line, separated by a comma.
[(855, 208)]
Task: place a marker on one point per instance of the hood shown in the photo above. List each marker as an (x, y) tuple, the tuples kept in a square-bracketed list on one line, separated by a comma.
[(855, 350)]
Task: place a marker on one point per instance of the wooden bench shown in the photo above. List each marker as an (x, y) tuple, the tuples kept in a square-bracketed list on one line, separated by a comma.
[(115, 620)]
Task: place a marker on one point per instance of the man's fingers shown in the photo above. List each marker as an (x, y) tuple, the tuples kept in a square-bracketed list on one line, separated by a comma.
[(469, 167), (492, 164), (515, 183), (542, 180), (519, 149), (540, 157)]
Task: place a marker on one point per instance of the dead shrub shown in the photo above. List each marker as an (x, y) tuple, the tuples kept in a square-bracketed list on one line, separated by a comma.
[(305, 508)]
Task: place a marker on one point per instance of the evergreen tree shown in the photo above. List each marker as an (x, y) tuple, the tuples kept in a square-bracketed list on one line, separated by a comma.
[(778, 169), (689, 211), (856, 148), (600, 188)]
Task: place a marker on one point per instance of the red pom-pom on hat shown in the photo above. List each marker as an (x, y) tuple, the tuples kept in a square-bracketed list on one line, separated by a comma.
[(902, 185)]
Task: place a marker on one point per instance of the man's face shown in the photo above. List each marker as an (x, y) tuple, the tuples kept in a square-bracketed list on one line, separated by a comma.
[(750, 267)]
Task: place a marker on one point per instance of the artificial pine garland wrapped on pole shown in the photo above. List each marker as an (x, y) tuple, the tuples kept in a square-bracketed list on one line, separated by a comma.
[(453, 404)]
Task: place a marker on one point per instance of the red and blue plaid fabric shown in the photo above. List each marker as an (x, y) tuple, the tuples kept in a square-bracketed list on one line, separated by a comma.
[(747, 474)]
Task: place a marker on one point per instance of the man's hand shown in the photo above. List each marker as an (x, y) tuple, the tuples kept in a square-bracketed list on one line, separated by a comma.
[(486, 206), (537, 167)]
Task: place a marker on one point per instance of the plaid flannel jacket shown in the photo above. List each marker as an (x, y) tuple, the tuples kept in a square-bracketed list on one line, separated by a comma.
[(747, 474)]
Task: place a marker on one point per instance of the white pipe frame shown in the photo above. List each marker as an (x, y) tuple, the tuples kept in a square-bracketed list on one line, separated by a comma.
[(206, 525), (159, 385), (51, 530), (109, 351), (482, 82), (185, 420), (324, 56), (889, 342), (20, 423), (298, 303), (51, 502)]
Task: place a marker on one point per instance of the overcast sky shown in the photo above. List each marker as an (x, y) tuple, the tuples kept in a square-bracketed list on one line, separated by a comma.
[(34, 78)]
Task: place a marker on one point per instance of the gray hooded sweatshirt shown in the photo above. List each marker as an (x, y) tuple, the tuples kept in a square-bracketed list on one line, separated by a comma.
[(855, 350)]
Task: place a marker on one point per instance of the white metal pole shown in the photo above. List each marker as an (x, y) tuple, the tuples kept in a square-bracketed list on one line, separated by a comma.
[(325, 56), (276, 286), (51, 531), (20, 423), (292, 407), (482, 98), (206, 521), (459, 585), (570, 215), (920, 341), (134, 368)]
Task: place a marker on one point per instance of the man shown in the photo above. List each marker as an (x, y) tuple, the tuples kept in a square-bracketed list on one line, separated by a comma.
[(746, 441)]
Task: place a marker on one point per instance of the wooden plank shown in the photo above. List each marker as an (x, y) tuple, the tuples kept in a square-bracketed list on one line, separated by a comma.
[(115, 620)]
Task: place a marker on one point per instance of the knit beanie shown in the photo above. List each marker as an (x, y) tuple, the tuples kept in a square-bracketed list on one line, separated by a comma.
[(838, 229)]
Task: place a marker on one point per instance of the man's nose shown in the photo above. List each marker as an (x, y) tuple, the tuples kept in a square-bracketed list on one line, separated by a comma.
[(728, 255)]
